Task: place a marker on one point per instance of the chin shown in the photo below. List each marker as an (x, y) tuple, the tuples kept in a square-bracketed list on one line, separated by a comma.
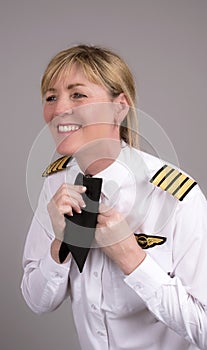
[(66, 148), (63, 151)]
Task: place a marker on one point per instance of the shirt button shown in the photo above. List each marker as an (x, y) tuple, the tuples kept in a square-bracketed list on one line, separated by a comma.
[(93, 307), (95, 274), (138, 286), (101, 333), (57, 275)]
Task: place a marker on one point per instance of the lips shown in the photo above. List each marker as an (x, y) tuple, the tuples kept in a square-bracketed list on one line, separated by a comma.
[(66, 128)]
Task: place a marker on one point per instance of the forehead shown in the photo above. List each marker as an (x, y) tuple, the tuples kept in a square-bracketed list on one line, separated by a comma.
[(74, 75)]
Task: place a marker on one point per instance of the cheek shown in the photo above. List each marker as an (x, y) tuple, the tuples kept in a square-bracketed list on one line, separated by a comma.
[(96, 113), (102, 130), (47, 114)]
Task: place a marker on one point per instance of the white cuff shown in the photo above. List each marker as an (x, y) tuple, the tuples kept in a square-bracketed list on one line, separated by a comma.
[(53, 271), (147, 278)]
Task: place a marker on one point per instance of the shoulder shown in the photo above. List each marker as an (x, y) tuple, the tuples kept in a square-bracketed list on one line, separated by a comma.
[(164, 176), (168, 177), (56, 166)]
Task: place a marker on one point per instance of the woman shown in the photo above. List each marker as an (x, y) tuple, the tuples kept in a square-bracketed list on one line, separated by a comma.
[(144, 283)]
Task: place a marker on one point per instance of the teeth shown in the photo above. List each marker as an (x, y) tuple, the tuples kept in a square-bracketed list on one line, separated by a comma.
[(68, 128)]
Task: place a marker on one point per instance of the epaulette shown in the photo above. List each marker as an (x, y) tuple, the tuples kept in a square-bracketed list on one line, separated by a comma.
[(57, 165), (173, 181)]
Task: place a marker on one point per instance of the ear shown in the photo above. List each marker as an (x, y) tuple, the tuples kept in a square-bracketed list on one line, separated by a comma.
[(121, 108)]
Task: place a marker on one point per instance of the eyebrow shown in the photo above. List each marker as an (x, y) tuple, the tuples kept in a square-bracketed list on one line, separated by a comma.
[(69, 87)]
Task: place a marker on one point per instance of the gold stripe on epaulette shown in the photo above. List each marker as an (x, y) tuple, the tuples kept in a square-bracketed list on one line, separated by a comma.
[(161, 174), (182, 191), (173, 181), (173, 187), (57, 165)]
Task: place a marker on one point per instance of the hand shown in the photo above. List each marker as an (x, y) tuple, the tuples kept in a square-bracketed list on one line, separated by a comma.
[(114, 236), (67, 199)]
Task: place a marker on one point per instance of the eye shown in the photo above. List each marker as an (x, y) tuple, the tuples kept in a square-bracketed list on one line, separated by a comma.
[(51, 98), (77, 96)]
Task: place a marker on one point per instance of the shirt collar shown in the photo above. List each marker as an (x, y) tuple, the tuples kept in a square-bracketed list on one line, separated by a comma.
[(114, 175)]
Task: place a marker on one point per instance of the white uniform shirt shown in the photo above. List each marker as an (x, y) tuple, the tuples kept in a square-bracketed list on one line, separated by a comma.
[(163, 303)]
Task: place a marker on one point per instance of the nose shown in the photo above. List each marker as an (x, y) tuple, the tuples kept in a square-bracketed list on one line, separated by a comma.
[(62, 107)]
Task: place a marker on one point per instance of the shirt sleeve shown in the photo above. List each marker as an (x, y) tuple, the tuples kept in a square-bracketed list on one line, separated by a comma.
[(45, 282), (180, 299)]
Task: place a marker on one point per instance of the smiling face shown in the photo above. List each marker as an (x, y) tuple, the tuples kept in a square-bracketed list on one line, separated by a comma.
[(80, 112)]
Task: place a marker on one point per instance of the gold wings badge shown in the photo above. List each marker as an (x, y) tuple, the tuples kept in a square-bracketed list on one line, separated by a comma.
[(147, 241)]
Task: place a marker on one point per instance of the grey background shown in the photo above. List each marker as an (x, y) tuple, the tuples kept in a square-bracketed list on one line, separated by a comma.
[(164, 43)]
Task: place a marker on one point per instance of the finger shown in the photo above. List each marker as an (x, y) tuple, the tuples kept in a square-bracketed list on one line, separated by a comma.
[(67, 209), (71, 190), (64, 194), (75, 191), (64, 201), (77, 188), (70, 202), (77, 197)]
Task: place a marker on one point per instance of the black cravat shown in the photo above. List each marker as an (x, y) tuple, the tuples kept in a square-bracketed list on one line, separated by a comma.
[(80, 228)]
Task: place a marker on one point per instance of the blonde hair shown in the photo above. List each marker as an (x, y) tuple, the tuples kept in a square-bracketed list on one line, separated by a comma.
[(103, 67)]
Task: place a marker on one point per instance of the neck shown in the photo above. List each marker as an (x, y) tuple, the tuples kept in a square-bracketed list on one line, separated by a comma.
[(95, 158)]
